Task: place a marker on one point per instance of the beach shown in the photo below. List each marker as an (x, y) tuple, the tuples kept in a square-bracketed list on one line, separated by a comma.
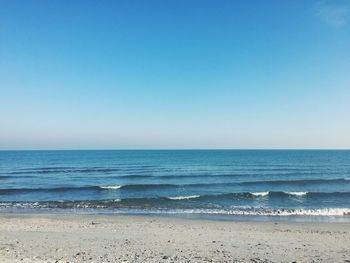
[(124, 238)]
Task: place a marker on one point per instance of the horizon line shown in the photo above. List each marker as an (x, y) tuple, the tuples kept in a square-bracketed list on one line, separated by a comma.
[(182, 149)]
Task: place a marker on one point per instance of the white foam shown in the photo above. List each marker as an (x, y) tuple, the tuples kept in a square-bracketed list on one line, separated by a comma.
[(183, 197), (262, 212), (260, 193), (111, 187), (297, 193), (309, 212), (239, 211), (114, 200)]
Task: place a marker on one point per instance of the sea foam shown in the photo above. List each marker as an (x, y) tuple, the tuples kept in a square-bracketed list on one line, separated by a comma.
[(263, 212), (297, 193), (260, 193), (183, 197), (111, 187)]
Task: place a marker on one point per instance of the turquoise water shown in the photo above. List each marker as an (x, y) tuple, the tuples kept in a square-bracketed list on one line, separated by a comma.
[(221, 182)]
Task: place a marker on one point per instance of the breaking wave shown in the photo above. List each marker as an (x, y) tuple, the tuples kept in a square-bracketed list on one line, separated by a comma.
[(260, 193), (111, 187), (297, 193), (183, 197), (117, 208)]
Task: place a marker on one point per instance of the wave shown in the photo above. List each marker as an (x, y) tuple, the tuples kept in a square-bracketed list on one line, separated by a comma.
[(266, 184), (281, 194), (272, 212), (264, 212), (150, 186), (187, 201), (111, 187), (183, 197), (302, 182), (297, 193), (116, 207), (8, 191), (144, 171), (134, 187), (143, 187), (260, 193)]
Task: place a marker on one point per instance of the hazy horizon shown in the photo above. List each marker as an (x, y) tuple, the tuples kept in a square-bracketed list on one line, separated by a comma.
[(174, 75), (174, 149)]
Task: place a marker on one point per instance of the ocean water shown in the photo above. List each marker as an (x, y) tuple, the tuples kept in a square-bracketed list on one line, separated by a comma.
[(276, 183)]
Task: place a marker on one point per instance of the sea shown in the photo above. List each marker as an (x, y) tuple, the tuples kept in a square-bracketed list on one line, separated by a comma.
[(272, 184)]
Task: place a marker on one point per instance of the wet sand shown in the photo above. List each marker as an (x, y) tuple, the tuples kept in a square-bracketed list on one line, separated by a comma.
[(106, 238)]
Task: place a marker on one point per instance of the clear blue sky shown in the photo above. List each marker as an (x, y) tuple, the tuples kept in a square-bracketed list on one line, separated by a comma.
[(174, 74)]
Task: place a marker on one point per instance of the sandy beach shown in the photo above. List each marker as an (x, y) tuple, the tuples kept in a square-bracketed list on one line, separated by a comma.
[(103, 238)]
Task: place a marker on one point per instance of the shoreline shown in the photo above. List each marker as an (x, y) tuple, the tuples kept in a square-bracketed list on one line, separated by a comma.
[(26, 237), (185, 215)]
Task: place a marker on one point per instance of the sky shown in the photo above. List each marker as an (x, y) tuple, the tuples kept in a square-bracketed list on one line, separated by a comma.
[(165, 74)]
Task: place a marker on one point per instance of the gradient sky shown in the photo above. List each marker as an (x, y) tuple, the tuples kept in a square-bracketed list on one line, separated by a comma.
[(174, 74)]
